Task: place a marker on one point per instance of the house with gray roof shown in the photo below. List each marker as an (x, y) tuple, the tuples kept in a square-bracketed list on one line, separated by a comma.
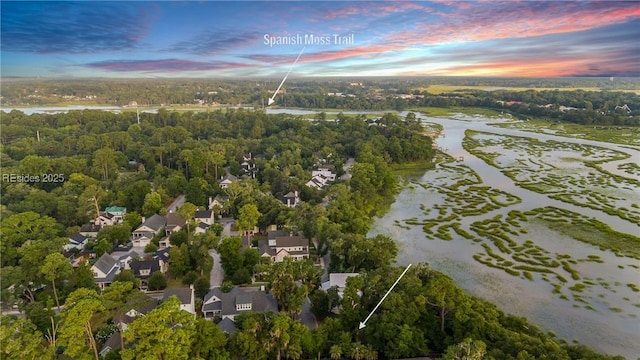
[(279, 247), (76, 241), (173, 223), (143, 269), (144, 233), (186, 296), (104, 270), (227, 305)]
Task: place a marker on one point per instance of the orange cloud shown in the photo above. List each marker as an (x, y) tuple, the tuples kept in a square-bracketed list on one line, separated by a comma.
[(490, 22)]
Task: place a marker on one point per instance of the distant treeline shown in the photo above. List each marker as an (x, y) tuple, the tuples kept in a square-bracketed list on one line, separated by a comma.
[(576, 106)]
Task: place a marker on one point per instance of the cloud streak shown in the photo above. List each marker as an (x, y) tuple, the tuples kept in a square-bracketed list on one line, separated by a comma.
[(163, 65), (61, 27)]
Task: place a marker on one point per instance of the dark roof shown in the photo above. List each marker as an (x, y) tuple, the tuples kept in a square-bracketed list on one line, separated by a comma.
[(152, 265), (260, 301), (78, 238), (228, 326), (106, 215), (90, 228), (112, 343), (216, 305), (287, 241), (202, 225), (290, 194), (243, 298), (264, 248), (163, 254), (229, 177), (277, 233), (105, 263), (203, 214), (183, 294), (174, 220), (156, 222)]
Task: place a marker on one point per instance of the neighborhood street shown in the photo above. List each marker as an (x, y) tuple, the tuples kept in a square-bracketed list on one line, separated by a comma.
[(217, 273)]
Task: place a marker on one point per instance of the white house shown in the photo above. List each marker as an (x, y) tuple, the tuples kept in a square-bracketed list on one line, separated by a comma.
[(76, 241), (104, 270)]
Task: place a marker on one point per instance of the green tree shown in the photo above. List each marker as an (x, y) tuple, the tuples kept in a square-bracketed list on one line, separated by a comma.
[(20, 228), (247, 218), (152, 204), (56, 267), (19, 340), (157, 281), (81, 308), (469, 349), (209, 343), (187, 211), (442, 293), (166, 332), (133, 219), (127, 275)]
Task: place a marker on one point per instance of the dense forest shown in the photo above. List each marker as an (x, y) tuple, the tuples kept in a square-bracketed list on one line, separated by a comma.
[(105, 159)]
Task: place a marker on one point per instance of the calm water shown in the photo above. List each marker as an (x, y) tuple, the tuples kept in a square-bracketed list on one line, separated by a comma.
[(600, 328)]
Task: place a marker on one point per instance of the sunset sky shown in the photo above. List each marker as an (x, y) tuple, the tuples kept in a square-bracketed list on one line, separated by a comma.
[(208, 39)]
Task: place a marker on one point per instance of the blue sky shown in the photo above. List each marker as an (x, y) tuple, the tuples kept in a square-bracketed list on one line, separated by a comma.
[(148, 39)]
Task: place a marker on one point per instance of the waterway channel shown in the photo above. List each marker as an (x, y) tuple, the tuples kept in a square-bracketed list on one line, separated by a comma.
[(595, 325)]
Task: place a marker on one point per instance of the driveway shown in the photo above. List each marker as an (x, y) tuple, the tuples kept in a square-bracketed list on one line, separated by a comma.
[(306, 316), (217, 273), (176, 204)]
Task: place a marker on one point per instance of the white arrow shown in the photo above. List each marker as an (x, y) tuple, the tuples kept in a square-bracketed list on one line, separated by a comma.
[(363, 324), (271, 99)]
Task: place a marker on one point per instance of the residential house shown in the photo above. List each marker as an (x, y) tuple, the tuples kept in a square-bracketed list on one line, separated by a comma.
[(163, 258), (218, 204), (186, 296), (292, 199), (205, 216), (144, 233), (164, 243), (201, 228), (90, 230), (113, 343), (279, 247), (118, 213), (137, 307), (104, 270), (227, 180), (318, 182), (174, 223), (143, 269), (227, 305), (125, 260), (104, 219), (339, 281), (76, 241)]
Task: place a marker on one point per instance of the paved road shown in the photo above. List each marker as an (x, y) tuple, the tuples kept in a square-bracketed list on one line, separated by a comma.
[(217, 273), (176, 204)]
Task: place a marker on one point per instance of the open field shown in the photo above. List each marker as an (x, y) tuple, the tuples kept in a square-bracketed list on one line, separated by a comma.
[(442, 88)]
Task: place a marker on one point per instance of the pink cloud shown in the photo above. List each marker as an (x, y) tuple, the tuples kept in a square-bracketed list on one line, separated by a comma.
[(489, 22)]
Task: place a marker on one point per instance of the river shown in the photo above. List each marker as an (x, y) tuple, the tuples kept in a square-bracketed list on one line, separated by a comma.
[(597, 326)]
